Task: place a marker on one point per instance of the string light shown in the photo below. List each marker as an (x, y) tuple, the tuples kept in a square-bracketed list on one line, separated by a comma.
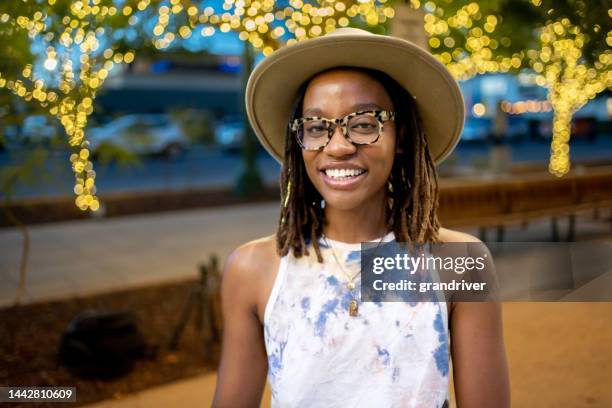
[(84, 49), (529, 106), (76, 68), (558, 63), (570, 81), (478, 51), (76, 59)]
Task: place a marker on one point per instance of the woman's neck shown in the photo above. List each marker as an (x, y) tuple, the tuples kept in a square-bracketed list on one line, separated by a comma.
[(364, 223)]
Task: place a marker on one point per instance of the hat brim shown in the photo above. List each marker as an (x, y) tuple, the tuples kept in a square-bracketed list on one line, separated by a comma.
[(273, 85)]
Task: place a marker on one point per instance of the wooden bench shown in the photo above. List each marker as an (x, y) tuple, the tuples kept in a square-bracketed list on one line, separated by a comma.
[(487, 203)]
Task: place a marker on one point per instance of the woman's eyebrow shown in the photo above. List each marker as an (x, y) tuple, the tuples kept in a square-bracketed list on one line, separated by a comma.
[(354, 108), (313, 111), (366, 106)]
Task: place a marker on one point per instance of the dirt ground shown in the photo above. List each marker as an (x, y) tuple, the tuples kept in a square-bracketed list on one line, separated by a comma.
[(30, 337), (559, 354)]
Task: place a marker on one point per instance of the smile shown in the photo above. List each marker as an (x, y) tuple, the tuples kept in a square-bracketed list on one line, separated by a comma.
[(343, 179), (343, 174)]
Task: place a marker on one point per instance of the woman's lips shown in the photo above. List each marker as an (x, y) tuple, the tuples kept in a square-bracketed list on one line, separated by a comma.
[(347, 183)]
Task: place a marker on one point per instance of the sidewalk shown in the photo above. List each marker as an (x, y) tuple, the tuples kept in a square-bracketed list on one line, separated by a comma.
[(92, 256)]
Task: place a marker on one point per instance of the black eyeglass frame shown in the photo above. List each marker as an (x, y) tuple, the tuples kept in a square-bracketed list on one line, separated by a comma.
[(380, 115)]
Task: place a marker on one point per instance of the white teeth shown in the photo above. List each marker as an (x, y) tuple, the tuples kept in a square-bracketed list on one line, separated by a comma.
[(343, 173)]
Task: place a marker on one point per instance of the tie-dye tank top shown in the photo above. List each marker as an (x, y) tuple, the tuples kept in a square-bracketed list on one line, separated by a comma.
[(392, 354)]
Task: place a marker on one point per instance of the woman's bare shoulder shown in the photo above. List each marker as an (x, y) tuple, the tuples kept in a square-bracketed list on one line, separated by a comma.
[(250, 271), (448, 235), (254, 255), (258, 251)]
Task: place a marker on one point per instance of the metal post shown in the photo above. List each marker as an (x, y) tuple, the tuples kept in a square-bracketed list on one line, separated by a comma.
[(500, 233), (555, 229), (482, 234), (571, 227)]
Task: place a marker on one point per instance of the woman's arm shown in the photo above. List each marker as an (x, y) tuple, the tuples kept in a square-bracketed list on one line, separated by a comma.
[(243, 367), (480, 369)]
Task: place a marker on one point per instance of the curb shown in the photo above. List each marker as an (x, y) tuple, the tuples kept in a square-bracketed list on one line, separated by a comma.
[(47, 210)]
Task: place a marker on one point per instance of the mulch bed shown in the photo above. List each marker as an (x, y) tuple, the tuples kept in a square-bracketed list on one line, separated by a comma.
[(30, 337)]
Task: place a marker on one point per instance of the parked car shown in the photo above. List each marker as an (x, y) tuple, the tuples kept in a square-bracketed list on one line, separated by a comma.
[(39, 127), (229, 135), (141, 134), (36, 130)]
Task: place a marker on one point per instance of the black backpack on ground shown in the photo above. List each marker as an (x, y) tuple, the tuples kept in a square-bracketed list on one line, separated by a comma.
[(102, 344)]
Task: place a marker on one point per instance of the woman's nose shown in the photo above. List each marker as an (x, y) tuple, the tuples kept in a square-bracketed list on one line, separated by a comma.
[(339, 145)]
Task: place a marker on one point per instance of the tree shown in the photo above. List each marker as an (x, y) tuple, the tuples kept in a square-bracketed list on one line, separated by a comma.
[(61, 66), (51, 62), (565, 42), (249, 182), (473, 38), (572, 60), (82, 41)]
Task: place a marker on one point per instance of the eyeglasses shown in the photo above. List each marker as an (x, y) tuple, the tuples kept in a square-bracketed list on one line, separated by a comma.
[(360, 128)]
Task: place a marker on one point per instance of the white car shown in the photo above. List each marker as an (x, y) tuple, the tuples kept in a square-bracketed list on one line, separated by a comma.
[(229, 135), (143, 134), (36, 130)]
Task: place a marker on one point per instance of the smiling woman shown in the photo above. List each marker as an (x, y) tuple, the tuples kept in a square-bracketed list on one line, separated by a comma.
[(361, 120), (337, 93)]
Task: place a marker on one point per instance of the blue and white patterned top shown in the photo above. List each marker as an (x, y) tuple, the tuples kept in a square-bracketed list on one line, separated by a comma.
[(392, 354)]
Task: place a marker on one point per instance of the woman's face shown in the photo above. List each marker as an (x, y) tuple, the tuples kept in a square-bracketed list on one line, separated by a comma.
[(335, 94)]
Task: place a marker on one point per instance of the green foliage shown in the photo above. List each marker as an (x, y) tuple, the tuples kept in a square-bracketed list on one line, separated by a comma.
[(196, 124), (15, 51), (591, 16), (111, 153), (27, 171)]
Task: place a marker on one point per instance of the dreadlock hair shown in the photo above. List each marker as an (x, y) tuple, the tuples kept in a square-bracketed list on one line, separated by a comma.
[(414, 181)]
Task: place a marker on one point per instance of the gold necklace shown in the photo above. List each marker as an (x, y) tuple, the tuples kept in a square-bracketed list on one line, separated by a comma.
[(353, 307)]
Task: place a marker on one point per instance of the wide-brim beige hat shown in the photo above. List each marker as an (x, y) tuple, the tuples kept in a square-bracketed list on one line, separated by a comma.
[(275, 81)]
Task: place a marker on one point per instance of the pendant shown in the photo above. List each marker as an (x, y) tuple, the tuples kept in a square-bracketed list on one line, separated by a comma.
[(351, 285), (353, 307)]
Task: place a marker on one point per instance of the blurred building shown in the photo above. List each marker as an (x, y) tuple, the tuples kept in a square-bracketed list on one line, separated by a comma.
[(202, 81), (213, 82)]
